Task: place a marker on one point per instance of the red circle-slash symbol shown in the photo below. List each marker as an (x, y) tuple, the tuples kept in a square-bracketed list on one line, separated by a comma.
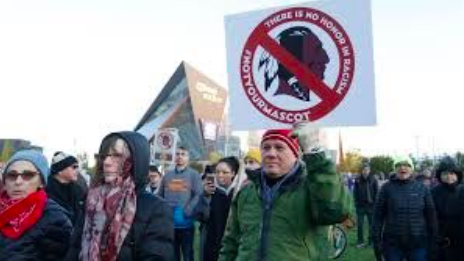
[(165, 141), (301, 62)]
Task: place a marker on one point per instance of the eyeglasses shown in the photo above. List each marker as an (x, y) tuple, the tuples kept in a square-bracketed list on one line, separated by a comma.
[(111, 155), (25, 175)]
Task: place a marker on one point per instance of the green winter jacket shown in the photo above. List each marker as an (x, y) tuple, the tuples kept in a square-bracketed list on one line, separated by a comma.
[(294, 227)]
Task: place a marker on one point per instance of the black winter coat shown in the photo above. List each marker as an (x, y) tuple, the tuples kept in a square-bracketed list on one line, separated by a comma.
[(69, 196), (47, 240), (212, 213), (365, 192), (404, 215), (449, 202), (151, 235)]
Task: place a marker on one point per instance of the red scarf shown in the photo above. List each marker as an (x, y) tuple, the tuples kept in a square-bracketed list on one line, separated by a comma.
[(17, 216)]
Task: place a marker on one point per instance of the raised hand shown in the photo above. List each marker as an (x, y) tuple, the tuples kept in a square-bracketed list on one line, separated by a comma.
[(311, 138)]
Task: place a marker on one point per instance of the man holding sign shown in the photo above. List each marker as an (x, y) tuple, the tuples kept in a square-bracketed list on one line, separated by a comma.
[(282, 213)]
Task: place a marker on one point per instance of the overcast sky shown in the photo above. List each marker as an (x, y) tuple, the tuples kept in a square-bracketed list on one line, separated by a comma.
[(73, 71)]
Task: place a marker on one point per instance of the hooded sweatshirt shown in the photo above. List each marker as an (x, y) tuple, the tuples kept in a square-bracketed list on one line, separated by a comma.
[(182, 190)]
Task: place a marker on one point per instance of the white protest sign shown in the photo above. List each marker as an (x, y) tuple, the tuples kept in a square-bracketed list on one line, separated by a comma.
[(163, 147), (307, 62)]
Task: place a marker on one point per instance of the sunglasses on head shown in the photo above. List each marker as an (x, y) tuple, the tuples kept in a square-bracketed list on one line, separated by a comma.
[(25, 175)]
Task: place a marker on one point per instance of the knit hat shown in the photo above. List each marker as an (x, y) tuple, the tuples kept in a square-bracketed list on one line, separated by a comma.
[(154, 168), (33, 156), (254, 154), (365, 165), (447, 164), (284, 136), (60, 161), (209, 169), (403, 159)]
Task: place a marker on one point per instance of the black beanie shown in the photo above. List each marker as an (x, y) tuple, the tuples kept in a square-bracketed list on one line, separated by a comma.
[(448, 164), (60, 161), (233, 163), (153, 168), (209, 169)]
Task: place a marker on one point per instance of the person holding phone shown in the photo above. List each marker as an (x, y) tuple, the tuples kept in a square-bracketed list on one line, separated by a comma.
[(213, 207)]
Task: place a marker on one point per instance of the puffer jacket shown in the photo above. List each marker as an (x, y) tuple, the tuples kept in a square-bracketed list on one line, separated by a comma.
[(449, 203), (47, 240), (293, 226), (404, 215), (151, 235)]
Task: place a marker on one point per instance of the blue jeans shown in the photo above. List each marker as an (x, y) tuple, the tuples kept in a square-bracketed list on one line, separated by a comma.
[(183, 242), (398, 254), (361, 214)]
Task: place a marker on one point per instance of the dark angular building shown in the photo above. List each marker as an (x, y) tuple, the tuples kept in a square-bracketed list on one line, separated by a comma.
[(192, 103)]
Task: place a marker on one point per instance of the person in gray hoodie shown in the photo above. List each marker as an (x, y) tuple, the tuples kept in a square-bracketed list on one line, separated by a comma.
[(182, 188)]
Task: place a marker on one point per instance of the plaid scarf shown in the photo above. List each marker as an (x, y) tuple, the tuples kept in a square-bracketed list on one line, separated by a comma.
[(17, 216), (109, 216)]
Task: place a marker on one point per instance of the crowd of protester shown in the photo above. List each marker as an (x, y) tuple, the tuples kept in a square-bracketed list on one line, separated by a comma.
[(411, 215), (276, 203)]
